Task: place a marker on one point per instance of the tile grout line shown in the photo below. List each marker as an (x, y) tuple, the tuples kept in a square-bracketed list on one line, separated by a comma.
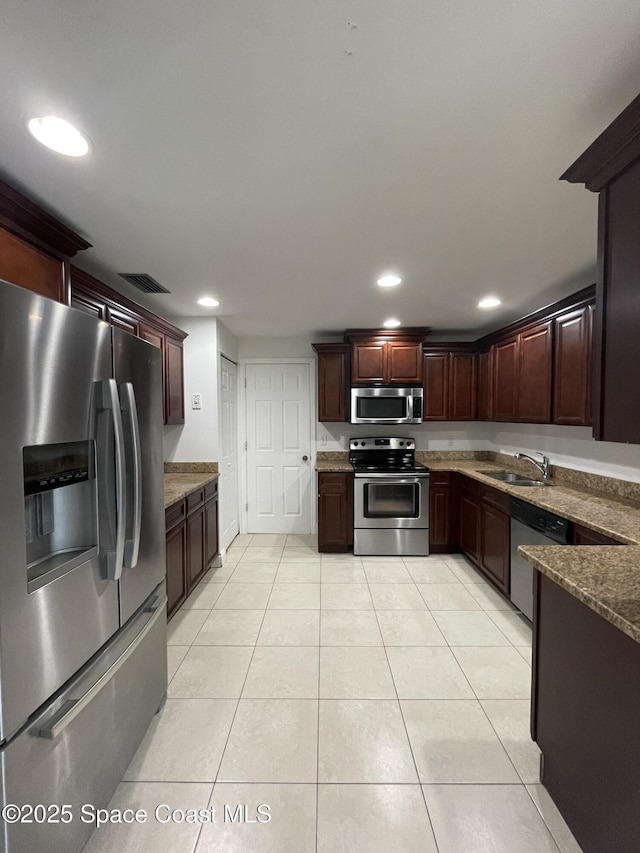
[(404, 724)]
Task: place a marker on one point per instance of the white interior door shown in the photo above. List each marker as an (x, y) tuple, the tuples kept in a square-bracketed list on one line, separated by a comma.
[(278, 448), (228, 482)]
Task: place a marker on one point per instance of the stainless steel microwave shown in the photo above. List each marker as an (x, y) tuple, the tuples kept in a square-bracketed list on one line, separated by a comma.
[(386, 405)]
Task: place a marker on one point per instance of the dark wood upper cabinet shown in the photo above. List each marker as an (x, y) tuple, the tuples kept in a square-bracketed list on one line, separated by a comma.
[(389, 358), (506, 364), (611, 166), (404, 362), (485, 385), (436, 386), (334, 379), (35, 248), (462, 387), (449, 382), (369, 362), (534, 380), (174, 382), (98, 299), (572, 367)]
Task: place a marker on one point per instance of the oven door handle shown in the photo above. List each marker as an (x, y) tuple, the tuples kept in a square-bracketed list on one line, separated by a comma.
[(392, 480)]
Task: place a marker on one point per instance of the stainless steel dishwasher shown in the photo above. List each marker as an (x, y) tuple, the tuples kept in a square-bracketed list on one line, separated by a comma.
[(531, 525)]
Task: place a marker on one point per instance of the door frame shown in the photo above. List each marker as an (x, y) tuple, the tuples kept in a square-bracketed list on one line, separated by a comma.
[(242, 431), (239, 444)]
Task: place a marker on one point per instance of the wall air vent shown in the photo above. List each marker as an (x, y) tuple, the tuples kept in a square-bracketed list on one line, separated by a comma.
[(143, 282)]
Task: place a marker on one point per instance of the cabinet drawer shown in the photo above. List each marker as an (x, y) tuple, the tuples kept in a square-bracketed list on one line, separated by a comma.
[(211, 491), (174, 514), (440, 478), (500, 500), (195, 500)]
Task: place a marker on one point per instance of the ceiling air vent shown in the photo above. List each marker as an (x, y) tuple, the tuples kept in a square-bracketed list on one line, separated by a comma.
[(143, 282)]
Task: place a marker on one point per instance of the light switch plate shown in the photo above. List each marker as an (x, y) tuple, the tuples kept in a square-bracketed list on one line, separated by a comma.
[(196, 401)]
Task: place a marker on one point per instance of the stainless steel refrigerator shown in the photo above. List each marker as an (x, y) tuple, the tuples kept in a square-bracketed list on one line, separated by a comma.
[(82, 561)]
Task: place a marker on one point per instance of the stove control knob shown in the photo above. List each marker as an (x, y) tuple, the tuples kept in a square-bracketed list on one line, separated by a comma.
[(363, 443), (402, 444)]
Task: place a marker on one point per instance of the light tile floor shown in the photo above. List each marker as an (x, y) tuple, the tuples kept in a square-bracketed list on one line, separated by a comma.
[(371, 704)]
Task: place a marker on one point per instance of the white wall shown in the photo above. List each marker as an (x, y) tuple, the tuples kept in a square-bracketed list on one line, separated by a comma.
[(197, 439), (571, 447), (440, 436), (275, 347)]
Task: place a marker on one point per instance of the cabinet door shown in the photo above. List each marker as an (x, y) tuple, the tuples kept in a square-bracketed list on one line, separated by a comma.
[(84, 301), (586, 536), (505, 381), (174, 382), (572, 367), (25, 265), (442, 527), (495, 544), (436, 386), (485, 385), (176, 567), (123, 320), (462, 387), (334, 512), (211, 531), (617, 409), (404, 363), (333, 384), (147, 333), (369, 362), (470, 525), (534, 391), (195, 548)]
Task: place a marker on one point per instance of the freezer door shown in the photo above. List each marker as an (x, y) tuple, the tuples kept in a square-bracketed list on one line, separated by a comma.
[(75, 751), (138, 375), (57, 607)]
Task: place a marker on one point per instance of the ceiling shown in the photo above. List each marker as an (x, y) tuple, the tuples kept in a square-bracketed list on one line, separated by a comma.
[(280, 156)]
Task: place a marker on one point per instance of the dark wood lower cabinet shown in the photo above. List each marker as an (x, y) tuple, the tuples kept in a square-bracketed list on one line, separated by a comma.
[(191, 543), (470, 520), (335, 511), (211, 523), (485, 531), (585, 536), (585, 711), (443, 513), (195, 547), (495, 526)]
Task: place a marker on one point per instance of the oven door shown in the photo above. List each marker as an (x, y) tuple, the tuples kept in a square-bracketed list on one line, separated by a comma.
[(385, 406), (391, 501)]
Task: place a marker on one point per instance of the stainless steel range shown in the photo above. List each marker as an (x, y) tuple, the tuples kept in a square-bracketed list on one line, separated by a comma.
[(390, 498)]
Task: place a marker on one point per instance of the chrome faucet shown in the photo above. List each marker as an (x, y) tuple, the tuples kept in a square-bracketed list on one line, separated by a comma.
[(543, 466)]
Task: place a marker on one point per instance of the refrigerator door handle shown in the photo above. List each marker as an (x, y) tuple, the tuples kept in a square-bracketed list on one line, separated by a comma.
[(111, 401), (128, 404), (70, 709)]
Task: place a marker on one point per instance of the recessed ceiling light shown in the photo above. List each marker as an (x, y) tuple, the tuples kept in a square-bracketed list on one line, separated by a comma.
[(59, 135), (391, 323), (389, 280), (489, 302), (208, 302)]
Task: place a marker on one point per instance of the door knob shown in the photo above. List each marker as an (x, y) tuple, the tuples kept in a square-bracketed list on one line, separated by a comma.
[(305, 458)]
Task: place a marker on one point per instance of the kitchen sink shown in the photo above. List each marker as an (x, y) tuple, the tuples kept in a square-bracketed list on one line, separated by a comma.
[(512, 479)]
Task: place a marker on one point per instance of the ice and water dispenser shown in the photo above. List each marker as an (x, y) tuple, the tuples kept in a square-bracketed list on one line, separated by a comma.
[(60, 502)]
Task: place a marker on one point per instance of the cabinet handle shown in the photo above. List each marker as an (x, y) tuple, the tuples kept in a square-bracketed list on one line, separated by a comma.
[(305, 458)]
